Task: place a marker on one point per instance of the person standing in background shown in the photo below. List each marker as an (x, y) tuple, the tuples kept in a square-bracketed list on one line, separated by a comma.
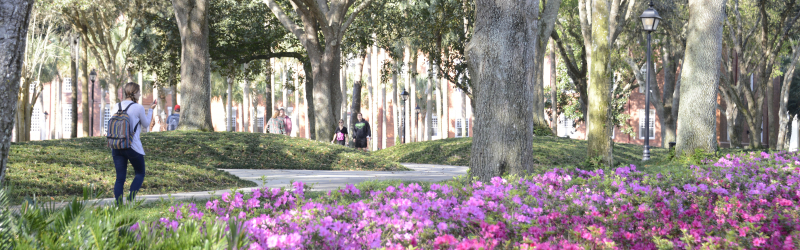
[(361, 133), (174, 118), (287, 121)]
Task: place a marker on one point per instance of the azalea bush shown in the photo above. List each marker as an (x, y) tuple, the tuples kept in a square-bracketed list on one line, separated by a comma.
[(739, 201)]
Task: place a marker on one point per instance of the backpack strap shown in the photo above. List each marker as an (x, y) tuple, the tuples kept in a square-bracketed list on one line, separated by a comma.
[(126, 111)]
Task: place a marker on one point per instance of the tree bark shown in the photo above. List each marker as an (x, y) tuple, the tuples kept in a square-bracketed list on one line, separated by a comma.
[(73, 66), (395, 104), (553, 90), (245, 102), (85, 92), (412, 81), (268, 106), (599, 116), (343, 85), (783, 113), (444, 120), (700, 78), (312, 123), (499, 59), (192, 19), (230, 118), (429, 103), (14, 16), (324, 24), (536, 73)]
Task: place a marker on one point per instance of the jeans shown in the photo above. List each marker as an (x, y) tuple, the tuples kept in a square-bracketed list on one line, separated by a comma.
[(121, 159)]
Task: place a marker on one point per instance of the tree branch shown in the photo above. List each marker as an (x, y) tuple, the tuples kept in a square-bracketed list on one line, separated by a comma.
[(353, 15), (284, 19)]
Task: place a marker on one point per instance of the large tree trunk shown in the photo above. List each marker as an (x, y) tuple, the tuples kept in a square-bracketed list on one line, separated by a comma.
[(230, 118), (73, 66), (310, 101), (268, 106), (395, 105), (784, 123), (192, 18), (429, 103), (700, 75), (372, 84), (412, 81), (14, 15), (327, 94), (343, 85), (599, 113), (444, 120), (553, 90), (85, 91), (669, 99), (355, 105), (245, 104), (498, 58), (536, 72)]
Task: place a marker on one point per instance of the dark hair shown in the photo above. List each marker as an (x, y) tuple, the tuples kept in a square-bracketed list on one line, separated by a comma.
[(131, 89)]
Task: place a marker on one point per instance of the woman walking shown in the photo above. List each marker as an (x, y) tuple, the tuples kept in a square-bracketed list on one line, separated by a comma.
[(340, 135), (132, 150), (276, 124)]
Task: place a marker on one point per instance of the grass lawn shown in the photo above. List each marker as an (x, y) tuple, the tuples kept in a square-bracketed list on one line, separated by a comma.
[(548, 152), (176, 161)]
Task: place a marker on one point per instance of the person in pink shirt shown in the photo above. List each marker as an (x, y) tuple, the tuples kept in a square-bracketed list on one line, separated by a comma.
[(287, 121)]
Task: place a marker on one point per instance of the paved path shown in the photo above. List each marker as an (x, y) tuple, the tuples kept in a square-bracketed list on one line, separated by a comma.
[(322, 179)]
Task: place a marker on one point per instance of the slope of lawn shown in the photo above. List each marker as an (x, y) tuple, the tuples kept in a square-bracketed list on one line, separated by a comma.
[(549, 151), (176, 161)]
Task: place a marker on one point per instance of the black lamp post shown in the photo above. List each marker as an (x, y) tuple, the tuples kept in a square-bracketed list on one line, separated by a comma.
[(650, 19), (404, 96), (92, 77)]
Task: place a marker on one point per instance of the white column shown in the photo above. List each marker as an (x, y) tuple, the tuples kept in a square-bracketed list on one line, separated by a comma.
[(794, 141)]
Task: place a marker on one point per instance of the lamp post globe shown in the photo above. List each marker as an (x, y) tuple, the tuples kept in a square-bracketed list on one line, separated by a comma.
[(650, 20)]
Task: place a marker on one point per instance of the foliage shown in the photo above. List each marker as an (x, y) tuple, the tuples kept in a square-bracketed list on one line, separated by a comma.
[(547, 151), (177, 161), (738, 201), (542, 131)]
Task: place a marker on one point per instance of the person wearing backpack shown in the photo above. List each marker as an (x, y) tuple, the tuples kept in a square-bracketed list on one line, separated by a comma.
[(174, 118), (123, 138), (340, 135)]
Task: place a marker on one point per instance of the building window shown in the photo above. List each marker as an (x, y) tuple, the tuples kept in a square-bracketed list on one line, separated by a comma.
[(462, 125), (68, 120), (260, 119), (106, 117), (613, 133), (652, 124), (36, 120), (565, 127), (32, 86), (67, 84), (227, 119), (434, 125)]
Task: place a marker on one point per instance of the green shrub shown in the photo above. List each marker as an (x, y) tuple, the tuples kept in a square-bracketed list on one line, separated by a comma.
[(176, 161)]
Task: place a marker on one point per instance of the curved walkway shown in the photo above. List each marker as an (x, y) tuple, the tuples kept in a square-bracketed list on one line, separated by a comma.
[(321, 179)]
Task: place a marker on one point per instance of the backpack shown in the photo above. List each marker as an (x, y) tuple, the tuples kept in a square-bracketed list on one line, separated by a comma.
[(173, 122), (119, 132)]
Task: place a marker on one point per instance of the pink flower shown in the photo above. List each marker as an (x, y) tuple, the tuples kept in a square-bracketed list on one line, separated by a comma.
[(758, 242), (444, 241)]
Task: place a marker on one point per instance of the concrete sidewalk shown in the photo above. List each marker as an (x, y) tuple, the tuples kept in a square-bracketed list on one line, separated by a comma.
[(321, 179)]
